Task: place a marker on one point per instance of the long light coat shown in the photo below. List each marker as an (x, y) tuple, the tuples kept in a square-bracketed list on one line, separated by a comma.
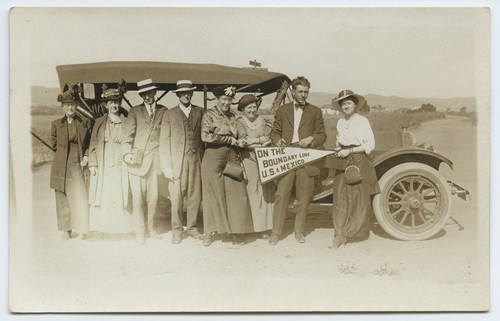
[(142, 133), (96, 158)]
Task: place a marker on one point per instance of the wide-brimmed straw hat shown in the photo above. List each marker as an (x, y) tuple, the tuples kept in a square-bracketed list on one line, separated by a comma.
[(111, 94), (184, 85), (361, 104), (145, 85), (248, 99), (229, 91)]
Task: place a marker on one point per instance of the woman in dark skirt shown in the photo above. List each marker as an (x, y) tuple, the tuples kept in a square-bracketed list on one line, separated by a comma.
[(225, 203), (352, 209), (70, 138)]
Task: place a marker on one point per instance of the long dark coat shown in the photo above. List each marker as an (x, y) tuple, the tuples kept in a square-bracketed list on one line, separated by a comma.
[(59, 141)]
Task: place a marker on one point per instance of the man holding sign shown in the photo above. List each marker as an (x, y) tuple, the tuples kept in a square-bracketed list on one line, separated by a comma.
[(297, 124)]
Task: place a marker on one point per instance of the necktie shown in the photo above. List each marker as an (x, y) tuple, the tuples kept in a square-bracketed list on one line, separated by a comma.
[(151, 112)]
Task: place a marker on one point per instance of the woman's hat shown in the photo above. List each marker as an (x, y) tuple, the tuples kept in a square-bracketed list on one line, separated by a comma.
[(145, 85), (247, 100), (229, 91), (111, 94), (184, 85), (361, 104), (66, 97)]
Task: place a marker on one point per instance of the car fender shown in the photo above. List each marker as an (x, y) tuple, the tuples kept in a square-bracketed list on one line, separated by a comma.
[(393, 157)]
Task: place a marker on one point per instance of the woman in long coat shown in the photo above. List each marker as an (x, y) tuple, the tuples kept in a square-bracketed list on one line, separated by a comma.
[(225, 203), (352, 208), (109, 188), (255, 132), (70, 138)]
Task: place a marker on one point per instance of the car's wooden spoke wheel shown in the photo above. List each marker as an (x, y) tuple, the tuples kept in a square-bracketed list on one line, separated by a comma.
[(414, 203)]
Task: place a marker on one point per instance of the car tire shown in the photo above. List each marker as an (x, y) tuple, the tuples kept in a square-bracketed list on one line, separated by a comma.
[(414, 203)]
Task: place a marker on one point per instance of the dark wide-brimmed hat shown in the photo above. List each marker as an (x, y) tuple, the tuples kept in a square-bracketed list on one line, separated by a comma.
[(229, 91), (184, 85), (361, 104), (66, 97), (111, 94), (247, 100), (145, 85)]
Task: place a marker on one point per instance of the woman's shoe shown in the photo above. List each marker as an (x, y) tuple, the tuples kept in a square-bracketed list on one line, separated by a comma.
[(207, 239), (337, 242), (66, 235), (237, 239)]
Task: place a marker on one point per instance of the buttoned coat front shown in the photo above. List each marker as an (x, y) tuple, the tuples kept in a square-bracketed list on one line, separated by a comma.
[(173, 137), (60, 142), (144, 134)]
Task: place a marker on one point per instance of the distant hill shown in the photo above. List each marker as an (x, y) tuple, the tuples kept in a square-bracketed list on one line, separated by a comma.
[(43, 96), (395, 102), (48, 97)]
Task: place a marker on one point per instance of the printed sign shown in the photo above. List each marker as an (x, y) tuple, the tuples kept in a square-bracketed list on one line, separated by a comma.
[(274, 162)]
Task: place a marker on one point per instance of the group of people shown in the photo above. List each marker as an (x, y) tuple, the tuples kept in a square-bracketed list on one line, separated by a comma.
[(127, 151)]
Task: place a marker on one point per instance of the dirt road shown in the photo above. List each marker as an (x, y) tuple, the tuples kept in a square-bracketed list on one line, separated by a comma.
[(447, 272)]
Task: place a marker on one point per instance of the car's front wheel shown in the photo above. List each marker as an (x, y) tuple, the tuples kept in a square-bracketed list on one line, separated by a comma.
[(414, 203)]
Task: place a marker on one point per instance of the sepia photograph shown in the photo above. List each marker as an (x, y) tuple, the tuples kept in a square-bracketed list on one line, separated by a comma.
[(249, 159)]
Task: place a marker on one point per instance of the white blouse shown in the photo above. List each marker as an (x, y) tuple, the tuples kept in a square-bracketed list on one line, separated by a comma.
[(355, 131)]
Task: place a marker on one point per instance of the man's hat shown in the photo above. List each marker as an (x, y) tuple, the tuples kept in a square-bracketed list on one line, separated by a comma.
[(146, 85), (184, 85)]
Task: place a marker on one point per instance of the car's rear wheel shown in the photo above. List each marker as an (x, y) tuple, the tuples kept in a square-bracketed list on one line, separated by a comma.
[(414, 203)]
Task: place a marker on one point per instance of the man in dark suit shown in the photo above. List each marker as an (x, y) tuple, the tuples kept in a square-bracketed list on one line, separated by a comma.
[(297, 124), (141, 139), (181, 152)]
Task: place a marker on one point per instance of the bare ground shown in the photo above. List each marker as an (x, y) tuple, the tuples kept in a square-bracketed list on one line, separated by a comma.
[(113, 273)]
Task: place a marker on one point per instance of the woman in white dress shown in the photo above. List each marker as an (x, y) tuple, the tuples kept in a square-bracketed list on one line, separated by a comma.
[(352, 208), (109, 191)]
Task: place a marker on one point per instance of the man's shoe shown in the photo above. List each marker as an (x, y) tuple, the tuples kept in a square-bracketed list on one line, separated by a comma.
[(139, 238), (300, 237), (273, 240), (154, 235), (176, 237), (194, 234), (207, 239)]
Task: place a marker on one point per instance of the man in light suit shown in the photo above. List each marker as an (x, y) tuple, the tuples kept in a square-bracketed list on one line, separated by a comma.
[(297, 124), (141, 139), (181, 152)]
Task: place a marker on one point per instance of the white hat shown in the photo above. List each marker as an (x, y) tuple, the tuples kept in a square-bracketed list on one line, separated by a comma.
[(184, 85), (146, 85)]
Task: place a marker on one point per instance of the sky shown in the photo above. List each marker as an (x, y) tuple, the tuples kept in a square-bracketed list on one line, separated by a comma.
[(406, 52)]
